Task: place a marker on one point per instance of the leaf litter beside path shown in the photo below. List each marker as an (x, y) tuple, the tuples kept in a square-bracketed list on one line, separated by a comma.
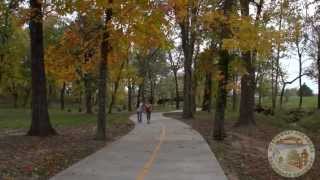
[(243, 153), (25, 157)]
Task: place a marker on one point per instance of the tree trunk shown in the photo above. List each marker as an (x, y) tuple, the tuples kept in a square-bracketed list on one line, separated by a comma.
[(275, 91), (113, 96), (40, 125), (247, 101), (103, 73), (260, 99), (260, 79), (130, 97), (282, 94), (1, 61), (234, 94), (152, 91), (116, 87), (187, 103), (187, 85), (88, 93), (206, 104), (276, 84), (138, 96), (15, 99), (194, 86), (80, 102), (318, 66), (50, 94), (62, 93), (177, 90), (26, 97), (300, 80), (221, 100)]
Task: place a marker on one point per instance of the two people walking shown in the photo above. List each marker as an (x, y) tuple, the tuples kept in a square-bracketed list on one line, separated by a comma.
[(147, 108)]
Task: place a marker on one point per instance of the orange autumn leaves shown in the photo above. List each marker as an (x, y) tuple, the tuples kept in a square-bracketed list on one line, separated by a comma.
[(78, 50)]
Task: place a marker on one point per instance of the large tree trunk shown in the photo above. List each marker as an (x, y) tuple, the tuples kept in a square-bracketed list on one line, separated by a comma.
[(207, 95), (187, 103), (88, 93), (188, 49), (247, 101), (248, 84), (221, 100), (103, 73), (62, 93), (40, 125)]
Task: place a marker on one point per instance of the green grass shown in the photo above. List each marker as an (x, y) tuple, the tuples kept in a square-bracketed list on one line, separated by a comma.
[(293, 102), (21, 118), (311, 122)]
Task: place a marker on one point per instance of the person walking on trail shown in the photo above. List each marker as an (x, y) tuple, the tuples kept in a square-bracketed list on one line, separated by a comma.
[(148, 110), (139, 112)]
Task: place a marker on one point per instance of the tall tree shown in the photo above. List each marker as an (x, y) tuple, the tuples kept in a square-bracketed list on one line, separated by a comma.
[(186, 13), (276, 65), (300, 40), (314, 43), (248, 83), (40, 125), (175, 66), (103, 71), (223, 66)]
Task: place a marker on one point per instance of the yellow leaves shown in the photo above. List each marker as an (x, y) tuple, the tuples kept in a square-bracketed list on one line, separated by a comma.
[(213, 20), (296, 33), (248, 36), (238, 67), (180, 7), (231, 44)]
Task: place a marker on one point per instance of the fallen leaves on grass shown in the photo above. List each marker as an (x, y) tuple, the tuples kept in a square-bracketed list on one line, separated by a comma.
[(25, 157)]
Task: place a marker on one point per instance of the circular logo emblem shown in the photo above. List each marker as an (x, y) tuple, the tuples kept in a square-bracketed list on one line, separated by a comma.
[(291, 154)]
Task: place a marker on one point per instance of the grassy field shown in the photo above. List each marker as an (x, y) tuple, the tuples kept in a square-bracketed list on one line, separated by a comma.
[(293, 102), (21, 118)]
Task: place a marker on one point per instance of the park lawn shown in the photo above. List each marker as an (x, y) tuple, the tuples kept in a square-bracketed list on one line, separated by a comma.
[(26, 157), (21, 118), (243, 153), (309, 102)]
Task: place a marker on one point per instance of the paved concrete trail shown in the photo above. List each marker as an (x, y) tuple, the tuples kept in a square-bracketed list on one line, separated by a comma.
[(166, 149)]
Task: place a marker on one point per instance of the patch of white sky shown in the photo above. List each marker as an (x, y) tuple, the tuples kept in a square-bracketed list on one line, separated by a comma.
[(290, 62)]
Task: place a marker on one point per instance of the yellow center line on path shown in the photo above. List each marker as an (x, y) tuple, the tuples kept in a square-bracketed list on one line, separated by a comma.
[(146, 168)]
